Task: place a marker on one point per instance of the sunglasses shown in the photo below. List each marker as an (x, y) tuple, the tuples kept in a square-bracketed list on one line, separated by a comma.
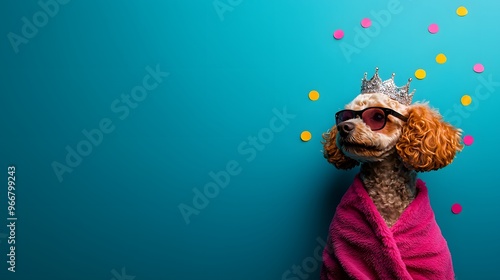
[(374, 117)]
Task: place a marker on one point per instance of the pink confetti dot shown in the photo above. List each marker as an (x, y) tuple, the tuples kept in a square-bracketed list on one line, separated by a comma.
[(468, 140), (433, 28), (478, 68), (338, 34), (366, 22), (456, 208)]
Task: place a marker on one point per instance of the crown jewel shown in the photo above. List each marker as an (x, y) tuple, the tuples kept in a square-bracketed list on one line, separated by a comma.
[(387, 87)]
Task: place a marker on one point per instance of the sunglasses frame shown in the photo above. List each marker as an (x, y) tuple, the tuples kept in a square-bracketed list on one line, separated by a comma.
[(387, 112)]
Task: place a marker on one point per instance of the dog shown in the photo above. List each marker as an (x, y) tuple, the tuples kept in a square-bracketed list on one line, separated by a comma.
[(392, 140), (384, 226)]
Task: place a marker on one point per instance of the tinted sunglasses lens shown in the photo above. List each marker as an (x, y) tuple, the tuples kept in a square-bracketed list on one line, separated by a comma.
[(344, 116), (375, 118)]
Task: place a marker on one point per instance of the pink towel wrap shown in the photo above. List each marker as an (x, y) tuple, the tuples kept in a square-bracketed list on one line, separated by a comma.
[(361, 246)]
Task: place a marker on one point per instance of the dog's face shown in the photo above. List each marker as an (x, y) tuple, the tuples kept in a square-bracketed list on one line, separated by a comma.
[(358, 141), (423, 140)]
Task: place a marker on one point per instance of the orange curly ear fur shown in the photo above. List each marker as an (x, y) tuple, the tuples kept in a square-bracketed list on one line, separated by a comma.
[(333, 154), (427, 141)]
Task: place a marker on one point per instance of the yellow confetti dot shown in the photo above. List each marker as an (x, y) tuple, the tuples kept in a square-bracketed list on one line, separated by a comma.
[(305, 136), (462, 11), (420, 74), (440, 58), (466, 100), (314, 95)]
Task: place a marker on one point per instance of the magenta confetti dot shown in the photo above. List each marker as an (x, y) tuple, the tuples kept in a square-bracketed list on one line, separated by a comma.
[(456, 208), (433, 28), (478, 68), (338, 34), (366, 22), (468, 140)]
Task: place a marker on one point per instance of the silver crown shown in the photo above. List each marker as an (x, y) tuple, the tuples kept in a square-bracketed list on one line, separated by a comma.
[(387, 87)]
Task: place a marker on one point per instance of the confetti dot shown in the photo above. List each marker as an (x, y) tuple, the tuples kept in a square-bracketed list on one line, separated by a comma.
[(338, 34), (466, 100), (462, 11), (433, 28), (456, 208), (441, 58), (420, 74), (314, 95), (366, 22), (468, 140), (305, 136), (478, 68)]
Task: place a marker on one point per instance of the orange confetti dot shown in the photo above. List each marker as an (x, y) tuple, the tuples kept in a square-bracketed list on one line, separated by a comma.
[(305, 136)]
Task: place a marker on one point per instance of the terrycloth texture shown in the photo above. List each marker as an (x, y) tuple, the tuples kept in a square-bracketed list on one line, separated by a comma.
[(361, 246)]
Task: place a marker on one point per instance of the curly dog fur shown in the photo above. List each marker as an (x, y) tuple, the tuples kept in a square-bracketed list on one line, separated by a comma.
[(391, 157)]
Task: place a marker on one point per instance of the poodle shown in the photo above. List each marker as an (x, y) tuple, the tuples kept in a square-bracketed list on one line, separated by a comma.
[(392, 140), (384, 226)]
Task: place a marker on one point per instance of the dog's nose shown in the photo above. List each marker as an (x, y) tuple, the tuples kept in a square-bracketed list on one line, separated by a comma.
[(345, 127)]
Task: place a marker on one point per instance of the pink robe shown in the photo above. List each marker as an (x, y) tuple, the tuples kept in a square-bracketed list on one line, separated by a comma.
[(361, 246)]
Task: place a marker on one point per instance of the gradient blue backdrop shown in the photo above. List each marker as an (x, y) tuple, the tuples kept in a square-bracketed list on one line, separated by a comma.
[(119, 207)]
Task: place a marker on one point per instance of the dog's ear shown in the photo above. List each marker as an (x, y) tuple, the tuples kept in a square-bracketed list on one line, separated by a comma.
[(333, 154), (427, 141)]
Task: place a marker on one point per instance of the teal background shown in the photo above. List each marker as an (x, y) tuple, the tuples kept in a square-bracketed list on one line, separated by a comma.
[(118, 208)]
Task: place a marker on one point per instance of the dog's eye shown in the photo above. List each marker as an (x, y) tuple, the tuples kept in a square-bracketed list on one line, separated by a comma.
[(378, 117)]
